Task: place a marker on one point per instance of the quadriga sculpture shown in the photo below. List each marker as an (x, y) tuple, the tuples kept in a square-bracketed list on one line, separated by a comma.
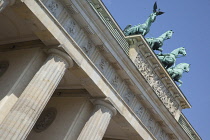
[(169, 59), (177, 71), (157, 43), (143, 29)]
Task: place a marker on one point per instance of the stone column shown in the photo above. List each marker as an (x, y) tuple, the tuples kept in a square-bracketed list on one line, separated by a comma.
[(96, 126), (5, 3), (24, 114)]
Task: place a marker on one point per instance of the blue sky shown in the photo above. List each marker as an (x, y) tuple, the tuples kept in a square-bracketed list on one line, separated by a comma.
[(190, 21)]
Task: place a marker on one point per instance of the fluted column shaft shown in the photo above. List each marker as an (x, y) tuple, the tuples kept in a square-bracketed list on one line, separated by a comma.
[(96, 126), (22, 117)]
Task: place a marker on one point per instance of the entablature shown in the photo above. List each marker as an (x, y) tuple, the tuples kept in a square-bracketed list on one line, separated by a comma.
[(106, 51)]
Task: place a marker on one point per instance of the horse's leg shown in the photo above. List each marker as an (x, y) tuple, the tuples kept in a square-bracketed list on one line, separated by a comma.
[(160, 58), (161, 50), (173, 76), (167, 66), (180, 82), (152, 44), (170, 65), (144, 32), (169, 71)]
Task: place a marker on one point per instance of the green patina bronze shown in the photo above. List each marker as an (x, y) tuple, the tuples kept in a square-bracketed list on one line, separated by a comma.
[(169, 59), (157, 43), (177, 71), (143, 29)]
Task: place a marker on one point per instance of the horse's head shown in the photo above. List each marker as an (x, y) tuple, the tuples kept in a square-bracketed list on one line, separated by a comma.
[(169, 34), (187, 68), (179, 51), (184, 66), (182, 51)]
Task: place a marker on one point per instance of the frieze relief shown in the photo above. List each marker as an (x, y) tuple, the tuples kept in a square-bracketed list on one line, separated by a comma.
[(87, 46), (139, 110), (157, 85), (128, 96), (115, 81), (103, 65), (54, 7), (106, 68), (151, 124), (163, 136), (70, 27)]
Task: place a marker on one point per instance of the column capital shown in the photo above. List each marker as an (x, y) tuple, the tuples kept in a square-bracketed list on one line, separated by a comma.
[(63, 55), (104, 103)]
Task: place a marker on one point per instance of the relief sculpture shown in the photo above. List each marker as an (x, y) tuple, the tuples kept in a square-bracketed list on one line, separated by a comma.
[(156, 84)]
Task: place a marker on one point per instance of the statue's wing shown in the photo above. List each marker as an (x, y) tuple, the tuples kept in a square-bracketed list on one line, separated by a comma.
[(127, 27), (155, 7), (160, 13)]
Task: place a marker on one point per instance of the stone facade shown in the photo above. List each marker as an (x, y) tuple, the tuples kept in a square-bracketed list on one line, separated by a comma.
[(80, 78)]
